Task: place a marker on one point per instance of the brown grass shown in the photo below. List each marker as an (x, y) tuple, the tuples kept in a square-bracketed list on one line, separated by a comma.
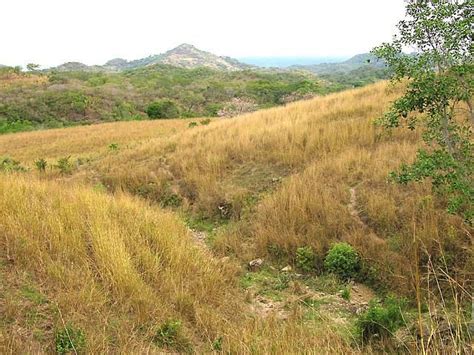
[(85, 140), (118, 269), (282, 175)]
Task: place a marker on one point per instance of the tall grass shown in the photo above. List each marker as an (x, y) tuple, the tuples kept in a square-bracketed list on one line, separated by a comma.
[(287, 177), (119, 269)]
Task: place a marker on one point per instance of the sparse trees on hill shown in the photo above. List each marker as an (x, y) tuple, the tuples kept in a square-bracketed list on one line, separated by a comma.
[(438, 96)]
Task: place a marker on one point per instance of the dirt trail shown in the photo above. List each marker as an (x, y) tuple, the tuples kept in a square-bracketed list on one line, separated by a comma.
[(352, 206), (355, 213)]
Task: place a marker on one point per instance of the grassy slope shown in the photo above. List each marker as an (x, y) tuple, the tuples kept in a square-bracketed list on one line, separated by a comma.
[(119, 269), (283, 177)]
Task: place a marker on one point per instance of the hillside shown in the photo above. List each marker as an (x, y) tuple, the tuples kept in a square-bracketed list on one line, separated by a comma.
[(359, 70), (282, 185), (35, 100), (183, 56)]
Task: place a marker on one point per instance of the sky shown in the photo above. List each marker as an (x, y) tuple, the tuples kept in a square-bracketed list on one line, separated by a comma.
[(51, 32)]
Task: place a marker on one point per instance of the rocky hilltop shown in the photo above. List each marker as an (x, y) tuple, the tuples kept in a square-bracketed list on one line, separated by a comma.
[(188, 56), (183, 56)]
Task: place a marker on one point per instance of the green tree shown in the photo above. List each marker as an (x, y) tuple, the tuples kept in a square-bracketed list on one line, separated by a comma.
[(32, 67), (162, 109), (438, 97)]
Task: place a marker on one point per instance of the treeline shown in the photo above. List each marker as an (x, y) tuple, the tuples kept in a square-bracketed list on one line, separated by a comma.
[(47, 99)]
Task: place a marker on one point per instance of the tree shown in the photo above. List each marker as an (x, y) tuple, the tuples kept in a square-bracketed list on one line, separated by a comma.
[(438, 97), (32, 67), (162, 109)]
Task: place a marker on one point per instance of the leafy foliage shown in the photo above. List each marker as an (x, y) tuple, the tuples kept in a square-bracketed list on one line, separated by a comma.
[(381, 320), (8, 165), (305, 258), (70, 339), (440, 89), (162, 109), (343, 261), (60, 99), (41, 165), (169, 335), (64, 165)]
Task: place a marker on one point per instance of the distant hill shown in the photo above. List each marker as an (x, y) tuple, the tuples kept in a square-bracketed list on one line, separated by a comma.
[(76, 66), (355, 62), (188, 56), (285, 62), (184, 56)]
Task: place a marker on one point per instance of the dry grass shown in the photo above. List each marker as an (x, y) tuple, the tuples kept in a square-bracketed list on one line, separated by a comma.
[(84, 140), (282, 175), (118, 269)]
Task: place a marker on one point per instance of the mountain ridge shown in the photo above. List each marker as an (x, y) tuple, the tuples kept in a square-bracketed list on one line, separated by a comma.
[(183, 56)]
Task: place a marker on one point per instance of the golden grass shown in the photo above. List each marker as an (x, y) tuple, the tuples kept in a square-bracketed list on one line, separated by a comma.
[(284, 175), (118, 269), (84, 140)]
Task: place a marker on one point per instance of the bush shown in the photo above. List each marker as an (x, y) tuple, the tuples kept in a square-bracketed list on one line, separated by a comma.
[(41, 165), (162, 109), (346, 293), (381, 320), (305, 258), (205, 121), (70, 339), (113, 147), (169, 336), (8, 165), (64, 165), (343, 261)]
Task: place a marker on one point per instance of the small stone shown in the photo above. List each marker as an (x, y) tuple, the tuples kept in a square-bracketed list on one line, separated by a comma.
[(287, 268), (255, 264)]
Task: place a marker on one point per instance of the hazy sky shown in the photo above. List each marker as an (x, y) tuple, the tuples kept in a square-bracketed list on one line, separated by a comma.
[(50, 32)]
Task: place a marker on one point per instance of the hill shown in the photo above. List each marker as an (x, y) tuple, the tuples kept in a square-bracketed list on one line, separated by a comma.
[(282, 185), (62, 98), (183, 56), (360, 70)]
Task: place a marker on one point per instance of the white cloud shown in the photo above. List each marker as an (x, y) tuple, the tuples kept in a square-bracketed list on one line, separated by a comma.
[(50, 32)]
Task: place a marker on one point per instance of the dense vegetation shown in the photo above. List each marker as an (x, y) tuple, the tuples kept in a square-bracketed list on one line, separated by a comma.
[(56, 99), (32, 100)]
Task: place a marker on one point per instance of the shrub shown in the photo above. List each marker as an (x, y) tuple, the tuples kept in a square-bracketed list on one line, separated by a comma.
[(305, 258), (217, 344), (64, 165), (7, 164), (346, 293), (343, 261), (69, 339), (205, 121), (169, 335), (41, 165), (381, 320), (113, 147), (192, 124), (162, 109)]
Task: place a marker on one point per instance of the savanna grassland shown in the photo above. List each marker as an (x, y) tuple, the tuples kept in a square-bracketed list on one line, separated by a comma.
[(98, 229)]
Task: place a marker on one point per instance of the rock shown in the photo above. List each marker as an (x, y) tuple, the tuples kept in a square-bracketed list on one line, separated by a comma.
[(255, 264), (287, 268)]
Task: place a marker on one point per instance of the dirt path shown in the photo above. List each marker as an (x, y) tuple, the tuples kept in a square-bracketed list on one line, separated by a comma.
[(356, 215), (200, 239), (352, 206)]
